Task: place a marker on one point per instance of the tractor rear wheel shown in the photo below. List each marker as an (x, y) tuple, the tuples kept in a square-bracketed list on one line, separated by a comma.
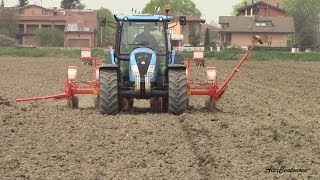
[(177, 96), (109, 98)]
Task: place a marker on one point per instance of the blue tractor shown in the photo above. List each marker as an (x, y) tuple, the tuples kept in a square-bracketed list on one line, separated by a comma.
[(143, 65)]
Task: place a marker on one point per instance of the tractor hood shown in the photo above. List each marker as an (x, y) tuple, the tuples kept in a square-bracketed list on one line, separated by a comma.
[(142, 63)]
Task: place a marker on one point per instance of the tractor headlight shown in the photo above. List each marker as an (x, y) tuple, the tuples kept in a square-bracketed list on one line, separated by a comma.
[(211, 74), (72, 73)]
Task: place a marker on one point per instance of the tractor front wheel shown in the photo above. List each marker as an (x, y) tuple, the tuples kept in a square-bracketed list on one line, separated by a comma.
[(109, 98), (177, 91)]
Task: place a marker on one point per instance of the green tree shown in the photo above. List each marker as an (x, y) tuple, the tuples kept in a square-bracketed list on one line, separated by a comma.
[(72, 4), (22, 3), (4, 31), (236, 7), (50, 37), (241, 4), (194, 38), (306, 20), (8, 23), (177, 6), (207, 40), (108, 32), (2, 3)]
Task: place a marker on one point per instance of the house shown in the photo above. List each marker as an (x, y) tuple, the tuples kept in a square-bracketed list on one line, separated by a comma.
[(214, 32), (33, 17), (238, 30), (79, 26), (180, 33), (261, 18), (262, 8)]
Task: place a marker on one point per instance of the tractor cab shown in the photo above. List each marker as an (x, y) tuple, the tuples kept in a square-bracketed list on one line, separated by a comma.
[(140, 32)]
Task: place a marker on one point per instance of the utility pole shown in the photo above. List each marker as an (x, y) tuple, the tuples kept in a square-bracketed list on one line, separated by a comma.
[(318, 33), (103, 22), (101, 34)]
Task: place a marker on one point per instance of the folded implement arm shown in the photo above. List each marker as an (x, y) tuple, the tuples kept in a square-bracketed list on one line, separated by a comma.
[(211, 87)]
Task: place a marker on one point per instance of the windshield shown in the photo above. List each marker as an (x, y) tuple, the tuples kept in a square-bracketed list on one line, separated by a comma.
[(142, 34)]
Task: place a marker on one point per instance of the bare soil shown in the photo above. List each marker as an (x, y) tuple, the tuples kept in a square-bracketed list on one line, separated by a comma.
[(268, 118)]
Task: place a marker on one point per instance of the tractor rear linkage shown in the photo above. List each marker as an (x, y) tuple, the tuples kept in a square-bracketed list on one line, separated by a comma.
[(210, 88)]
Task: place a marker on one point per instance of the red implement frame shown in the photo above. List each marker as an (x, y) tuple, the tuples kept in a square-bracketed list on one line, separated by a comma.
[(73, 87), (213, 89), (85, 87)]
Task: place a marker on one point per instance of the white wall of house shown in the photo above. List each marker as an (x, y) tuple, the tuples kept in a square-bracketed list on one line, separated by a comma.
[(269, 39)]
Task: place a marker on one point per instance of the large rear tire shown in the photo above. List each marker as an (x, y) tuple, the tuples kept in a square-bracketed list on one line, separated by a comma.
[(109, 98), (177, 94)]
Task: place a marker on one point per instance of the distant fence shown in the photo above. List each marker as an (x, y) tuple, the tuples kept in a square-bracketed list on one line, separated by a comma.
[(266, 48), (189, 48)]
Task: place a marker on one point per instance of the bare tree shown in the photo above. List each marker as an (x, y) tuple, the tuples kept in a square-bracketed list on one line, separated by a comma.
[(23, 3), (9, 22), (72, 4)]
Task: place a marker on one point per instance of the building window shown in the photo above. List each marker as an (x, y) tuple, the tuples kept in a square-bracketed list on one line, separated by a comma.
[(225, 26), (263, 23), (21, 12), (33, 12), (44, 12)]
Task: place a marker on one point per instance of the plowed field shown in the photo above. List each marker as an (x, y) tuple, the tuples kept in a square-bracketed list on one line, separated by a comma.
[(267, 120)]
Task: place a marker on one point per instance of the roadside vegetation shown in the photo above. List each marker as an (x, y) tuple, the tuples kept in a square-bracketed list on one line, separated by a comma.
[(259, 55), (45, 52), (232, 54)]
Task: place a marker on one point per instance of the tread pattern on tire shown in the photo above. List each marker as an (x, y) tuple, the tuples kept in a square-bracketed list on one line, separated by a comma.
[(177, 97), (109, 99)]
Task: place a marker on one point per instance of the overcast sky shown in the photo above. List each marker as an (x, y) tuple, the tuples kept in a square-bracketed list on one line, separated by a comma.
[(210, 9)]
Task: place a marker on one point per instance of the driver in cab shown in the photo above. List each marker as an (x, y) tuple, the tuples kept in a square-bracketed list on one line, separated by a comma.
[(146, 39)]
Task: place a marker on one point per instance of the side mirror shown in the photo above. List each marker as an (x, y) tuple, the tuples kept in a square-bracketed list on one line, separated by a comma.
[(182, 20)]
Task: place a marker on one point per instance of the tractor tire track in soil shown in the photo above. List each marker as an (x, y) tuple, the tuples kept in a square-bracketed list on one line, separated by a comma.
[(268, 117)]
